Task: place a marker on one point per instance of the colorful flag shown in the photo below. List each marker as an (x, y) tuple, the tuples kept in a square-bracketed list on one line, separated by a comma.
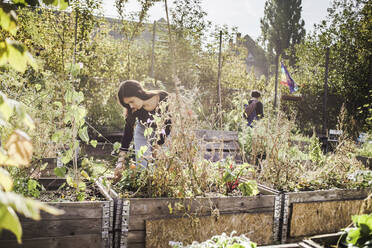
[(286, 79)]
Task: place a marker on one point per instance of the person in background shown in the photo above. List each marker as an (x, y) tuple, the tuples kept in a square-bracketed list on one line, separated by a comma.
[(139, 107), (254, 109)]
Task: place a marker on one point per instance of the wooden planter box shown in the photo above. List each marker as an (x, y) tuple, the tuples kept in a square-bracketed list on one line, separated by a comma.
[(150, 223), (318, 212), (84, 224)]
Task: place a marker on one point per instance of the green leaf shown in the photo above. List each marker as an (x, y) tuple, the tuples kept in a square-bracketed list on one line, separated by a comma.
[(67, 157), (116, 146), (43, 166), (6, 181), (58, 104), (249, 188), (83, 134), (94, 143), (82, 186), (9, 220), (236, 246), (148, 131), (56, 137), (70, 181), (142, 151), (6, 111), (60, 171), (353, 236)]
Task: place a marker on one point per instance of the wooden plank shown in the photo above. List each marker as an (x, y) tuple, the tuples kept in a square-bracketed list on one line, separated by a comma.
[(327, 195), (137, 245), (280, 246), (216, 135), (266, 190), (246, 204), (226, 146), (226, 205), (73, 210), (159, 206), (215, 156), (54, 228), (257, 226), (77, 241), (136, 237)]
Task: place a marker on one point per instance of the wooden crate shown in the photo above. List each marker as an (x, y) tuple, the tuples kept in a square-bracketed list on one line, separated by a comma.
[(84, 224), (218, 145), (318, 212), (151, 223)]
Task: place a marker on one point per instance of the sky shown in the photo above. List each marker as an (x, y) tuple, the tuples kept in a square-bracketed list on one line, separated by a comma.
[(244, 14)]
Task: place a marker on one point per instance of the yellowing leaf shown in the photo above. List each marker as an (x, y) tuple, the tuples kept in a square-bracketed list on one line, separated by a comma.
[(6, 181), (85, 174), (16, 56), (94, 143), (9, 220), (28, 121), (26, 206), (19, 148), (6, 110), (8, 21)]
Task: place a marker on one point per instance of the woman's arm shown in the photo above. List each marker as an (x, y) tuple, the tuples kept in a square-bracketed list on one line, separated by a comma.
[(128, 133)]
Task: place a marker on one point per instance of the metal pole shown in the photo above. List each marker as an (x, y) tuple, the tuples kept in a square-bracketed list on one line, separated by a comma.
[(75, 35), (219, 82), (325, 92), (276, 79), (153, 50)]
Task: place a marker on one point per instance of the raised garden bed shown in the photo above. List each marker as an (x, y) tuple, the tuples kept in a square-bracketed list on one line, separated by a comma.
[(319, 212), (84, 224), (154, 222)]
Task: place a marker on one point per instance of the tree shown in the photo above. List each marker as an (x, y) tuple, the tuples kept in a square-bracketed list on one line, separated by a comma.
[(18, 148), (282, 28), (347, 31)]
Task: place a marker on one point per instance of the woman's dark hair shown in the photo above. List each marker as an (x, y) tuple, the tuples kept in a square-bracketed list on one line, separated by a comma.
[(132, 88), (255, 93)]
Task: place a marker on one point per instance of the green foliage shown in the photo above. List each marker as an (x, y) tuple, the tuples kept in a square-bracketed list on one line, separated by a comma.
[(366, 148), (221, 241), (316, 153), (361, 234), (346, 32), (18, 149), (178, 168), (287, 160), (234, 175), (282, 19)]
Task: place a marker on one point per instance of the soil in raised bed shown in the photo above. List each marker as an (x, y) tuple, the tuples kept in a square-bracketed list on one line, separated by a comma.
[(68, 194)]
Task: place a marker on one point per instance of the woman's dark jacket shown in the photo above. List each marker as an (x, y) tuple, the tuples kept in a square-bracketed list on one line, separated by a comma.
[(144, 117)]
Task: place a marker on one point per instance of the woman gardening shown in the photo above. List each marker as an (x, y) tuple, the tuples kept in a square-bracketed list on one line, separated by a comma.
[(139, 107)]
